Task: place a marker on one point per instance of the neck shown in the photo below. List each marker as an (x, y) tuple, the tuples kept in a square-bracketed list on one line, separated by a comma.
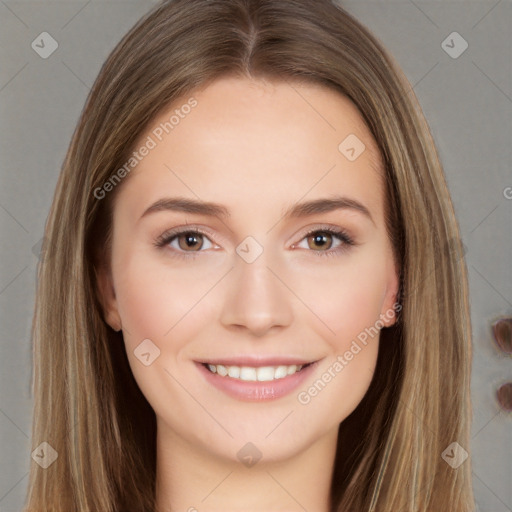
[(190, 478)]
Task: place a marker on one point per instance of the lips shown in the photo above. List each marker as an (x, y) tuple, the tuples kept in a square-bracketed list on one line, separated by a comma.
[(256, 378)]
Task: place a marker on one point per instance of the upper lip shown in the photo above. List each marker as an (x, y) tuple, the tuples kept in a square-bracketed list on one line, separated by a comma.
[(256, 361)]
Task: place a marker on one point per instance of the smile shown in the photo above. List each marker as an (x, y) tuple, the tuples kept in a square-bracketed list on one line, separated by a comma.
[(260, 374), (256, 380)]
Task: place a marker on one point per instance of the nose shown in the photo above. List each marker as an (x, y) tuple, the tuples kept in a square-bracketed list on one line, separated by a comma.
[(256, 301)]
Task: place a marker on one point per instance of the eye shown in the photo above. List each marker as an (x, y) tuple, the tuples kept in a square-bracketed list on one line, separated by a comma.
[(323, 241), (190, 240)]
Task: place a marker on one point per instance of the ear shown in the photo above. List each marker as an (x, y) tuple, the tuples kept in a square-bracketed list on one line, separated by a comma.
[(107, 297), (390, 306)]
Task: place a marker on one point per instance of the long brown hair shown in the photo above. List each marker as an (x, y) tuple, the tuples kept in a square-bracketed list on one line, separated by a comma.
[(87, 405)]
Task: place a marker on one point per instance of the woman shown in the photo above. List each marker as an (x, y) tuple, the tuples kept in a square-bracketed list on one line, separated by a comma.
[(314, 351)]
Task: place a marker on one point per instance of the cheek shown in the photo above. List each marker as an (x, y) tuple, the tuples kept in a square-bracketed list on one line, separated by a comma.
[(349, 303), (347, 298), (169, 307), (155, 300), (339, 385)]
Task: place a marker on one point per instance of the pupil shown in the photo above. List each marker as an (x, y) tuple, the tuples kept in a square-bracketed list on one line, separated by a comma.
[(191, 240), (320, 240)]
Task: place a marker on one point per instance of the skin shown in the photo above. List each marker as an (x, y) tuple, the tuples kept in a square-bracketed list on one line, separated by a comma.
[(257, 148)]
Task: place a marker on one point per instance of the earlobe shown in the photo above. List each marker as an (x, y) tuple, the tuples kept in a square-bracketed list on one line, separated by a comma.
[(107, 297), (389, 314), (391, 306)]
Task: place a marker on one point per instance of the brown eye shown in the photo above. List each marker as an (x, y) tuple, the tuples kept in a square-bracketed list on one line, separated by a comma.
[(190, 241), (320, 240), (185, 241)]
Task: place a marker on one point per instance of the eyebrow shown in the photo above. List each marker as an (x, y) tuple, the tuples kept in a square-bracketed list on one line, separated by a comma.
[(305, 209)]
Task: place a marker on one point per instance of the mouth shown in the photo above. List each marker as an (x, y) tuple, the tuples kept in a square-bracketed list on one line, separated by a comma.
[(256, 380), (255, 373)]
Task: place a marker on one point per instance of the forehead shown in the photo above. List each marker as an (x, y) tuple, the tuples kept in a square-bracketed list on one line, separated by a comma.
[(244, 140)]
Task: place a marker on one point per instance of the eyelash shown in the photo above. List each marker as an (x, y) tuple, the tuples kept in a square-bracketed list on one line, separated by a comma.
[(167, 237)]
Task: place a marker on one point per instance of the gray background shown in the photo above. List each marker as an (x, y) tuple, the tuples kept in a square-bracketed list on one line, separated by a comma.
[(467, 101)]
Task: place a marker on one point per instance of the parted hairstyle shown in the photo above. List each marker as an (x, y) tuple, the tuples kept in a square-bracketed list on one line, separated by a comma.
[(87, 404)]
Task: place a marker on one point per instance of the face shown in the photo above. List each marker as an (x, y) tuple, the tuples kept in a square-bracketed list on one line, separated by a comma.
[(250, 240)]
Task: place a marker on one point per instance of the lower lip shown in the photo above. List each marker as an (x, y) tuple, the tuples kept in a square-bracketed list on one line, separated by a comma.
[(254, 390)]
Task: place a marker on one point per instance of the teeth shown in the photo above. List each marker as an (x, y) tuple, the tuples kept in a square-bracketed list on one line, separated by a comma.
[(221, 370), (247, 373), (292, 369), (261, 374), (234, 371), (265, 373), (282, 371)]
